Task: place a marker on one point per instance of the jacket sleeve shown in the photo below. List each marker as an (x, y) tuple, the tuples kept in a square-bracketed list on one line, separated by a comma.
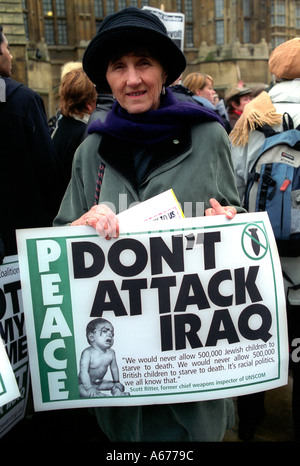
[(43, 156), (243, 158)]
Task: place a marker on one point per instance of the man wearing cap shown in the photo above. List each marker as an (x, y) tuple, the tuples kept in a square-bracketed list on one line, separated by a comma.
[(236, 100), (268, 108)]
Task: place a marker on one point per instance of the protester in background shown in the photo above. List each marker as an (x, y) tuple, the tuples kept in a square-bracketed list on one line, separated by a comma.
[(235, 100), (201, 86), (247, 140), (77, 101), (28, 188), (182, 93), (69, 66), (149, 143)]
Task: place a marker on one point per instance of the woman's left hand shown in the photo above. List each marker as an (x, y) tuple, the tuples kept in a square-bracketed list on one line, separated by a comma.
[(217, 209)]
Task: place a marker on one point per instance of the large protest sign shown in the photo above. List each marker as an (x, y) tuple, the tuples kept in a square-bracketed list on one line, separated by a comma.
[(194, 310), (13, 334)]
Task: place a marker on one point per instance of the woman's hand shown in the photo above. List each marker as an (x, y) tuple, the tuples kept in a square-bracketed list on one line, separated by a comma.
[(103, 219), (217, 209)]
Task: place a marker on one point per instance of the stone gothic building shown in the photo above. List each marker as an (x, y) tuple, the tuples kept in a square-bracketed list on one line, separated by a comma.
[(229, 39)]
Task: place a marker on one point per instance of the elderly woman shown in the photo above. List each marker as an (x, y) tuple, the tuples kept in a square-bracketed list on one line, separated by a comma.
[(149, 143)]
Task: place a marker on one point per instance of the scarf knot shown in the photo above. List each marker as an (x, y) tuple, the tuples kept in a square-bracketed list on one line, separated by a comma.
[(259, 112)]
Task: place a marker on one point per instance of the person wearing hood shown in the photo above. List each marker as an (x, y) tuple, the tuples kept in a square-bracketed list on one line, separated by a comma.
[(148, 143), (28, 192), (268, 108)]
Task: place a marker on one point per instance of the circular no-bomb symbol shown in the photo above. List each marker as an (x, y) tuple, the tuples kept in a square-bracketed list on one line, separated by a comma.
[(254, 241)]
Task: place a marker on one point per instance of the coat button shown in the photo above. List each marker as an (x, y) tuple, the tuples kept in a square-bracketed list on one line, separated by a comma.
[(175, 141)]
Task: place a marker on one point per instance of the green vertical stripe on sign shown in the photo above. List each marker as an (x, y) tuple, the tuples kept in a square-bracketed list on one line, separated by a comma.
[(53, 320)]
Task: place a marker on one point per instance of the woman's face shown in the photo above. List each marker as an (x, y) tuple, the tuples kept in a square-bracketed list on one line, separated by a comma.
[(136, 82), (207, 91)]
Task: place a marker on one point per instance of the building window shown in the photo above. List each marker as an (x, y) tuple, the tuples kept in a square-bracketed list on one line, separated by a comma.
[(110, 7), (189, 23), (219, 8), (278, 13), (297, 16), (49, 31), (247, 21), (55, 22), (278, 40), (186, 7), (219, 18), (98, 8), (25, 17), (246, 7), (62, 32), (179, 6), (246, 31), (137, 3)]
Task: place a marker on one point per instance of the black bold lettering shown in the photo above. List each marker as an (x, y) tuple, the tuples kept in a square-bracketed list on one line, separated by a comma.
[(242, 283), (163, 285), (141, 257), (134, 287), (209, 240), (213, 289), (182, 333), (2, 304), (159, 251), (220, 319), (13, 288), (166, 333), (184, 299), (79, 251), (262, 331), (107, 288)]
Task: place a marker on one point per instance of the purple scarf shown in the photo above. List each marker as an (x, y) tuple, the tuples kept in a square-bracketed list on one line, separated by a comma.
[(155, 125)]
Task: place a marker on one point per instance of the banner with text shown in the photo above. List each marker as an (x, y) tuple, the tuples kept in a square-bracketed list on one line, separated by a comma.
[(174, 23), (192, 310), (12, 333)]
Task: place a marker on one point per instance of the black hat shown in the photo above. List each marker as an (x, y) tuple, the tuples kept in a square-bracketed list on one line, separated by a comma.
[(134, 26)]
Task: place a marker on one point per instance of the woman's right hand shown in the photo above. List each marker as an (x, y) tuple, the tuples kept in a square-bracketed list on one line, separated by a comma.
[(103, 219)]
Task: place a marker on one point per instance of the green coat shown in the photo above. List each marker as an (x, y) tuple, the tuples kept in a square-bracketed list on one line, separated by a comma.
[(197, 166)]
